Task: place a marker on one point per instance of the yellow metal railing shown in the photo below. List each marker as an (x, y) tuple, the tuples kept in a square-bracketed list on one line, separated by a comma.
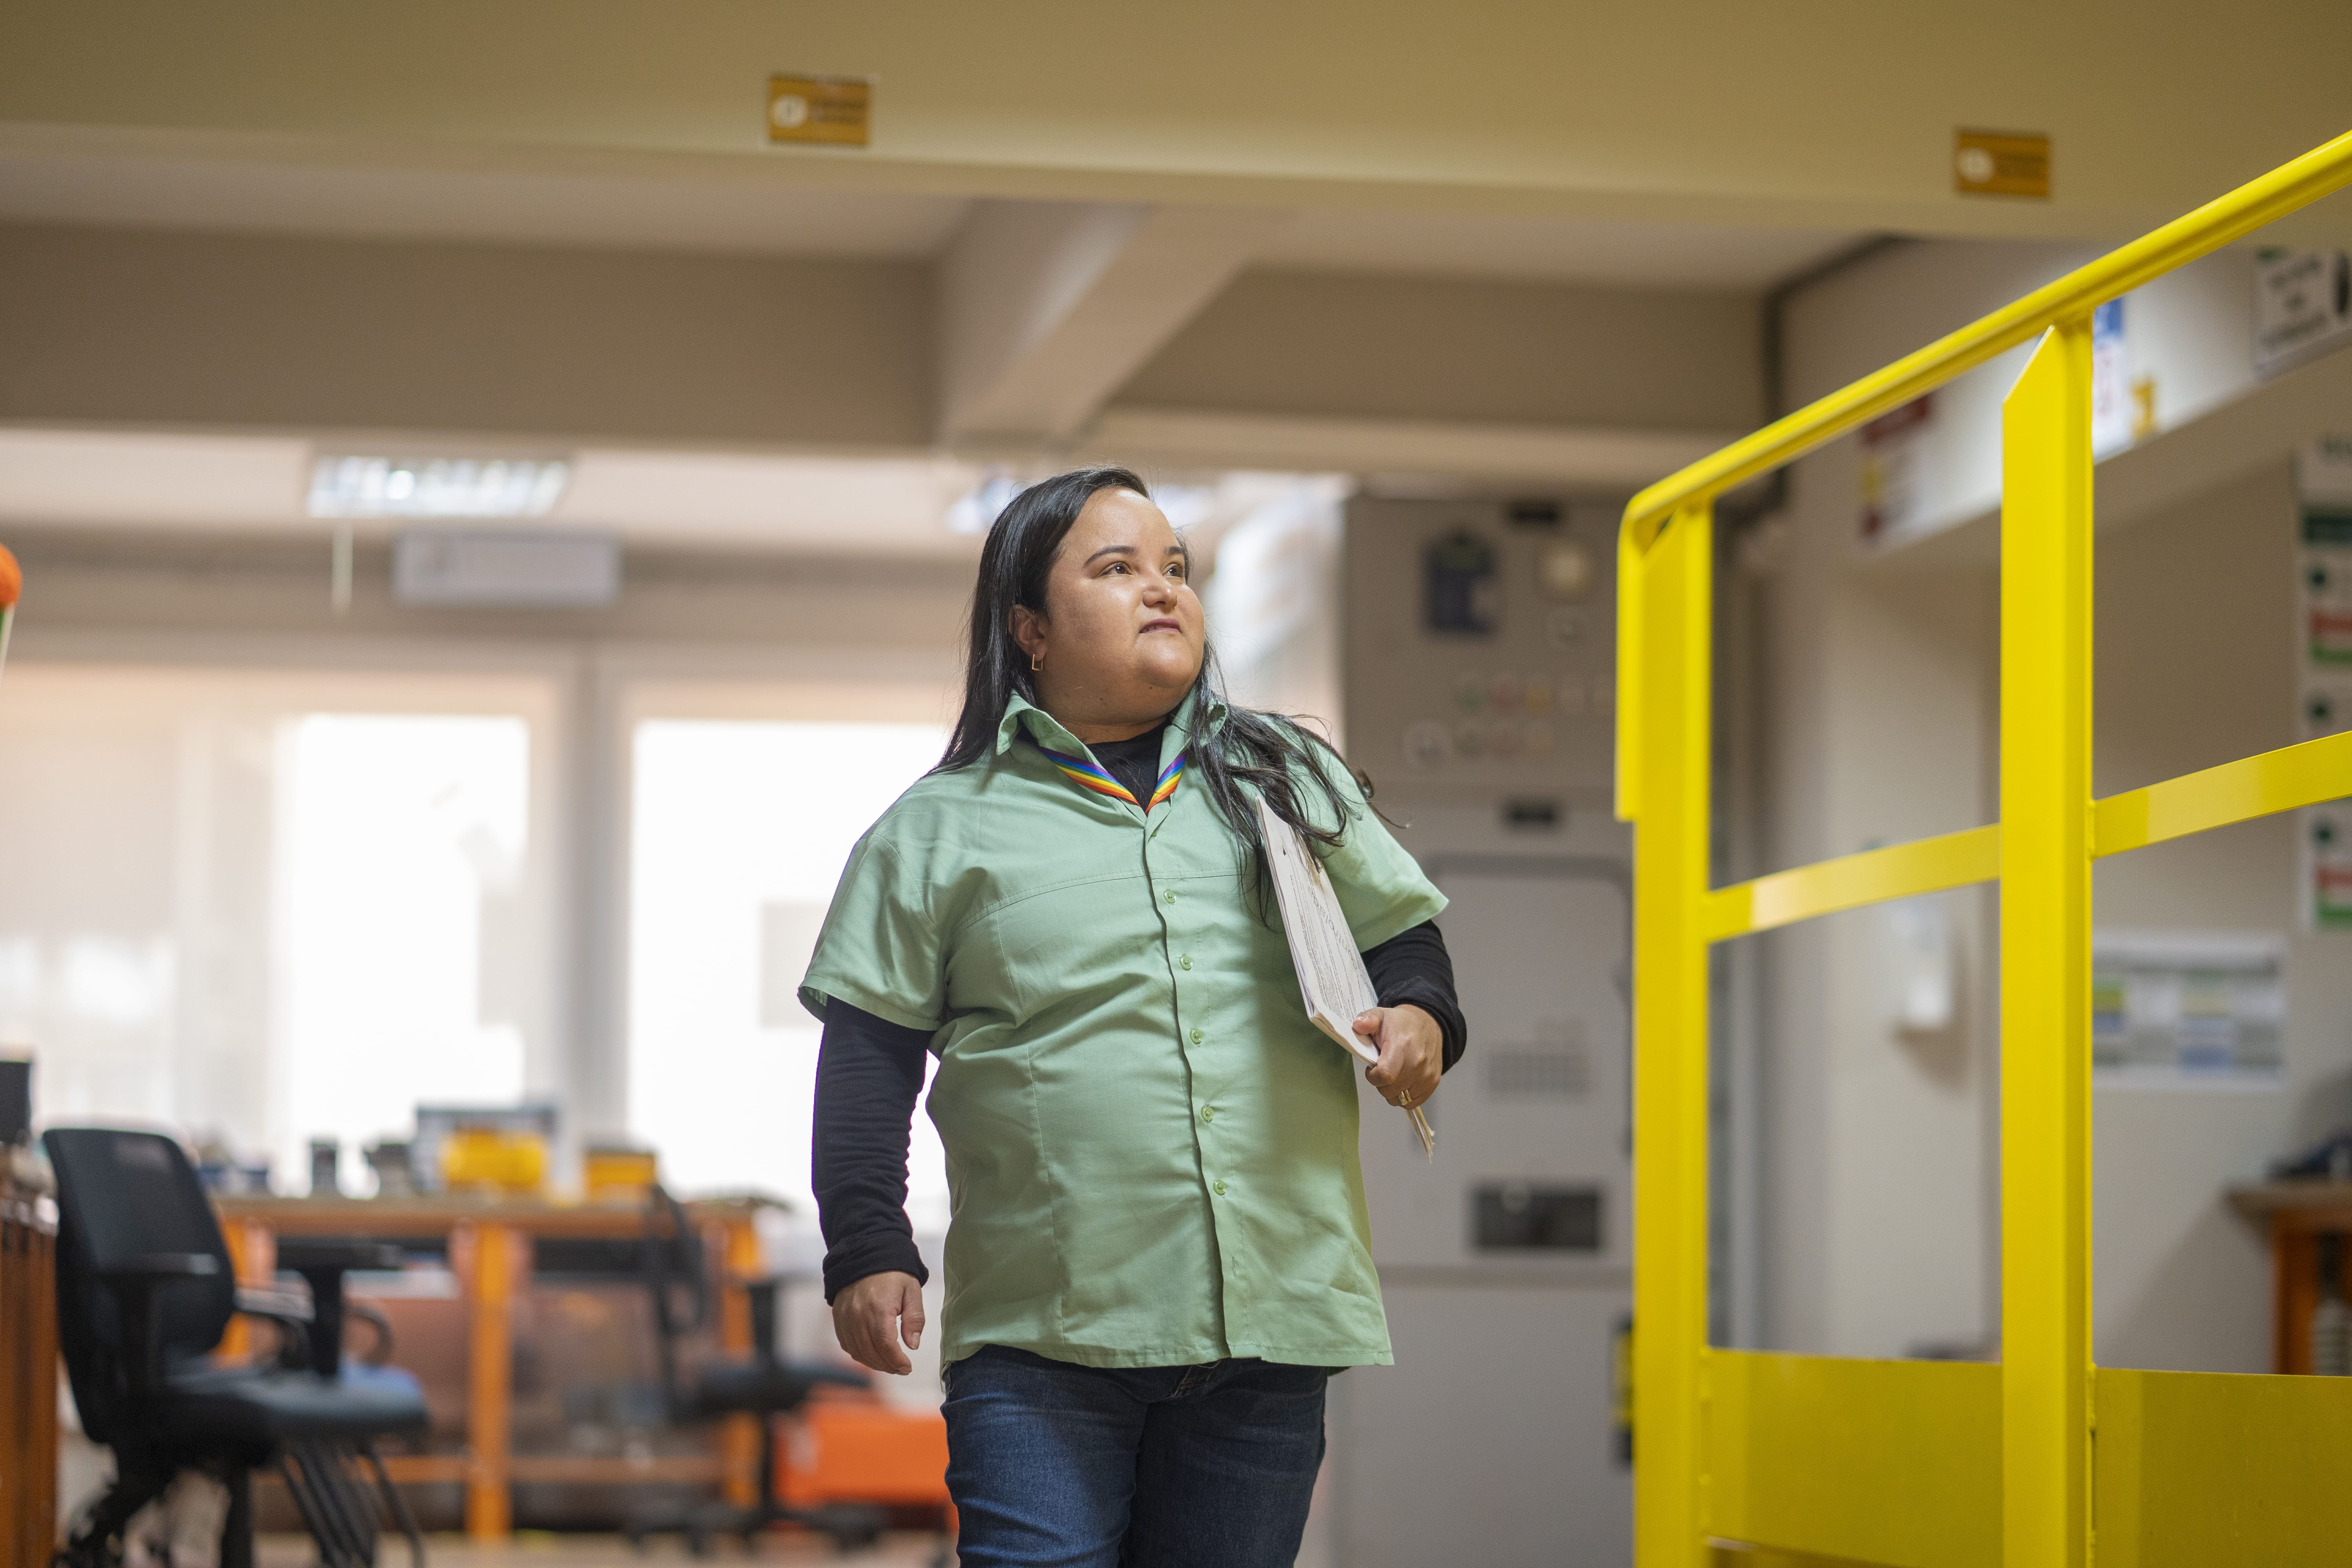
[(1920, 1465)]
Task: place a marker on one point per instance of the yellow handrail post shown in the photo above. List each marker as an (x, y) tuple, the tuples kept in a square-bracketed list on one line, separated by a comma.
[(1668, 599), (2045, 955)]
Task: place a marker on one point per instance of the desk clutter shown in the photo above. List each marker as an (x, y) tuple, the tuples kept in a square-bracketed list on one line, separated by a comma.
[(485, 1151), (460, 1350)]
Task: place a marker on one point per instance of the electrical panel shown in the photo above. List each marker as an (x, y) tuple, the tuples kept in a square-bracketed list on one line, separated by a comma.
[(1481, 653)]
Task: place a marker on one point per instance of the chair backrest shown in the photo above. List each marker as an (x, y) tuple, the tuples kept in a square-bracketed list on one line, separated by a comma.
[(676, 1276), (122, 1196)]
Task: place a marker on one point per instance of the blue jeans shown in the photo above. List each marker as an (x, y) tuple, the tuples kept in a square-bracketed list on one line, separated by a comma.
[(1058, 1465)]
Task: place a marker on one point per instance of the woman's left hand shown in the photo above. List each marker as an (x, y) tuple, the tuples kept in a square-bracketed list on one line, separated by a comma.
[(1413, 1053)]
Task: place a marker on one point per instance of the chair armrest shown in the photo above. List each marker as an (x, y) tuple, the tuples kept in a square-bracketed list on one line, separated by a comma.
[(382, 1355), (279, 1305), (323, 1261), (137, 1282), (156, 1268), (307, 1254), (766, 1322), (833, 1377), (289, 1311)]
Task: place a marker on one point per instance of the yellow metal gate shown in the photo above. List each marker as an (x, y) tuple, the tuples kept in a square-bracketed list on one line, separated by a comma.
[(2034, 1461)]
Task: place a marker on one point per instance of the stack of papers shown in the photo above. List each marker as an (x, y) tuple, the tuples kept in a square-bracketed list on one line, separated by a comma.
[(1332, 974)]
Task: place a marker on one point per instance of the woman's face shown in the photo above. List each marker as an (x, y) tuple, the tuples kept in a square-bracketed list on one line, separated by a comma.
[(1122, 634)]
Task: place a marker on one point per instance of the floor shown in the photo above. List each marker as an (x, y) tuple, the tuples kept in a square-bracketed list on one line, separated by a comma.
[(533, 1549)]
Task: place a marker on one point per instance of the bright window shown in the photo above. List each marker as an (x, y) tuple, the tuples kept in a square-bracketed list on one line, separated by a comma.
[(740, 829), (401, 851), (256, 906)]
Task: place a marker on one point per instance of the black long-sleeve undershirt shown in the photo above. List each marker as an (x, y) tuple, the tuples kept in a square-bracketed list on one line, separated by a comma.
[(870, 1075)]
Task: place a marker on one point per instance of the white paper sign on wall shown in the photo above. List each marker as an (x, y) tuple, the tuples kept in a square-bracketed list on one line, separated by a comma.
[(2111, 401), (2302, 306), (2188, 1007), (2322, 633)]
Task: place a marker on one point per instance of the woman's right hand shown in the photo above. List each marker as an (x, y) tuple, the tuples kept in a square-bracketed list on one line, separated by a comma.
[(871, 1316)]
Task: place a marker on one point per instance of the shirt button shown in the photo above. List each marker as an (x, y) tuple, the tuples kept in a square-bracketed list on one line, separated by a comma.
[(1208, 1113), (1219, 1189), (1168, 897), (1196, 1036), (1185, 962)]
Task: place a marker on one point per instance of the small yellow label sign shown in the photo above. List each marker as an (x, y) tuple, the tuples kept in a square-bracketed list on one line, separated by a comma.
[(2000, 164), (829, 111)]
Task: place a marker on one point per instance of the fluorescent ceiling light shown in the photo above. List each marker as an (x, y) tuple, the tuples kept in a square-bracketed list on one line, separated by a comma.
[(975, 512), (435, 487)]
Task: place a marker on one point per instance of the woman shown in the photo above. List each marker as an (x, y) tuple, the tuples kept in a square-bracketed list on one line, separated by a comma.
[(1159, 1250)]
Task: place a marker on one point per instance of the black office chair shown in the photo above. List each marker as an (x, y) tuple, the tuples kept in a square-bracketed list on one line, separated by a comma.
[(765, 1386), (144, 1291)]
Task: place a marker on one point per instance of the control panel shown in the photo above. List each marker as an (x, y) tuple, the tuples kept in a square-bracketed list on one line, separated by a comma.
[(1486, 631)]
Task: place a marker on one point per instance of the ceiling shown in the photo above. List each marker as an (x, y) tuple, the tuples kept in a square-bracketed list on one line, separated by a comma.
[(887, 506), (765, 214), (1620, 252), (881, 506), (757, 216)]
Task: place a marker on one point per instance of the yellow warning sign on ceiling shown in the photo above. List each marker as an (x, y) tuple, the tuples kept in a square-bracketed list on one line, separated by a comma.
[(2000, 164), (825, 110)]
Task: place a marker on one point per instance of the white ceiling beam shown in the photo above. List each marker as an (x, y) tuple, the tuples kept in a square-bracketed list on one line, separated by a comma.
[(1047, 308), (1601, 459)]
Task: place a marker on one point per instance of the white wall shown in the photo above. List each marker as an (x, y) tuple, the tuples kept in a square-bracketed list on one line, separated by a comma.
[(1874, 731)]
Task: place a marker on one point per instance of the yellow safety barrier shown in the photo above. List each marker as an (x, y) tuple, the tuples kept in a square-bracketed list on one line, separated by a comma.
[(1920, 1463)]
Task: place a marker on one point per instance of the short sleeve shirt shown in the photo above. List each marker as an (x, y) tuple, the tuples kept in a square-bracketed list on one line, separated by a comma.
[(1150, 1152)]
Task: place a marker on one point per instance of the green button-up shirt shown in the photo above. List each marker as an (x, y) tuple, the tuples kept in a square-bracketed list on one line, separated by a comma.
[(1150, 1152)]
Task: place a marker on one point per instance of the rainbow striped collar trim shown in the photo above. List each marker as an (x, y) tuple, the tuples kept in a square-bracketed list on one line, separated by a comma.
[(1087, 773)]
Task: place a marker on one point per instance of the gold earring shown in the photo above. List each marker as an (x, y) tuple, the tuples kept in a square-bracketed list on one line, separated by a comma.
[(1037, 661)]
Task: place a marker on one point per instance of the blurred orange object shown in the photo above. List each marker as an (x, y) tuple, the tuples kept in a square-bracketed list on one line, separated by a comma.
[(473, 1158), (860, 1451), (619, 1176), (12, 582)]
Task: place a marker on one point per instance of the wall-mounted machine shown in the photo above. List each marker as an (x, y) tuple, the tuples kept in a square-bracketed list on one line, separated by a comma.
[(1480, 678)]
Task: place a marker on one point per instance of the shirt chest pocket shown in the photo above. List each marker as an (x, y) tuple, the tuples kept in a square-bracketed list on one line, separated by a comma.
[(1079, 945)]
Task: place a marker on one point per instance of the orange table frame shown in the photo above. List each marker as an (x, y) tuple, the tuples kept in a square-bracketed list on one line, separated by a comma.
[(489, 1251)]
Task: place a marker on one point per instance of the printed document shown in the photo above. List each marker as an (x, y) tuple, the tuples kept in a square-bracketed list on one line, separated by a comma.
[(1331, 976)]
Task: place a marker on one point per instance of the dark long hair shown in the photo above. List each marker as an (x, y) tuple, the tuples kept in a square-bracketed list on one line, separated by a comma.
[(1271, 753)]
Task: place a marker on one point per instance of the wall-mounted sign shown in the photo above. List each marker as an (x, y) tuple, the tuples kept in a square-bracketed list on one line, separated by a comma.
[(824, 110), (2322, 635), (2187, 1006), (1892, 493), (2323, 867), (2302, 306), (2323, 473), (2111, 402), (2000, 164)]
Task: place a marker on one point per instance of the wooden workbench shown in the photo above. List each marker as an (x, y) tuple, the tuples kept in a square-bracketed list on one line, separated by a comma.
[(490, 1244), (2295, 1215), (28, 1368)]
